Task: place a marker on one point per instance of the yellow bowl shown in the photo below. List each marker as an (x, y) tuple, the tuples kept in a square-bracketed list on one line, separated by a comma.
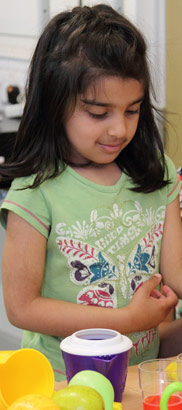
[(23, 372)]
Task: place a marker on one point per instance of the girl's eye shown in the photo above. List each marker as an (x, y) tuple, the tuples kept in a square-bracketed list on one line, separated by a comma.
[(97, 116), (133, 112)]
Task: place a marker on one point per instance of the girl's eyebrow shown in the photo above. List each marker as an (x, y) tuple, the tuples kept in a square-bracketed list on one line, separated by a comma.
[(139, 100), (94, 102), (102, 104)]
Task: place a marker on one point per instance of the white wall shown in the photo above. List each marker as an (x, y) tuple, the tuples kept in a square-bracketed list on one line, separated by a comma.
[(20, 25), (56, 6), (150, 18)]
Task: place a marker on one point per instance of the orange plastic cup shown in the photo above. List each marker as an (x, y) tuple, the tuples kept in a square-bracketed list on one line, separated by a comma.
[(24, 371)]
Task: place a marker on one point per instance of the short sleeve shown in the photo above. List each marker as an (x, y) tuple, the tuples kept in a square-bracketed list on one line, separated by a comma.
[(29, 204), (173, 188)]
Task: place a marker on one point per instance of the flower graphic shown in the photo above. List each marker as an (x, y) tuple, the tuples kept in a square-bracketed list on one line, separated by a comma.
[(140, 261), (101, 269), (81, 270)]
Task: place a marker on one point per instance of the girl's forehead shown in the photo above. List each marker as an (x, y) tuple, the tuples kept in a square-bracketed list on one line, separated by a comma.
[(111, 88)]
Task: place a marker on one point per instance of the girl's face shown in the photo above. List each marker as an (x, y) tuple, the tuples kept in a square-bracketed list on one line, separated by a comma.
[(104, 120)]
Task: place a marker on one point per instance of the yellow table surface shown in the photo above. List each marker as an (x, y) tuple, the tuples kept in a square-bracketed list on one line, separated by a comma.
[(132, 395)]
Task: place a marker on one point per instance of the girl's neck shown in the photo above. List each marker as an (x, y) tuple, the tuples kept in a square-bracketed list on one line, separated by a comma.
[(106, 174)]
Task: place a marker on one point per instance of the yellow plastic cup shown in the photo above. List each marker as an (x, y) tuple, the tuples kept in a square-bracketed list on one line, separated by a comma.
[(117, 406), (22, 372)]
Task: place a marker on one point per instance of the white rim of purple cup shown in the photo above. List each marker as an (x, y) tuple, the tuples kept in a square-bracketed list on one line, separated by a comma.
[(98, 341)]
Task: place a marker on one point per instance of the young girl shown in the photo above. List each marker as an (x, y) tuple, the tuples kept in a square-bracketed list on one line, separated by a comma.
[(93, 214)]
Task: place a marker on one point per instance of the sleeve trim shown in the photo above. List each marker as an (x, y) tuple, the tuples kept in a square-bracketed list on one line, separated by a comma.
[(59, 372), (28, 212), (174, 188)]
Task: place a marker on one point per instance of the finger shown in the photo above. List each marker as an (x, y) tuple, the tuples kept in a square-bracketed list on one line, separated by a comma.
[(170, 294), (167, 290), (157, 294), (151, 283)]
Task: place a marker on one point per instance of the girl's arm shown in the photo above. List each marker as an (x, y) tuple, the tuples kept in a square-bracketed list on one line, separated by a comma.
[(170, 333), (23, 267), (171, 249)]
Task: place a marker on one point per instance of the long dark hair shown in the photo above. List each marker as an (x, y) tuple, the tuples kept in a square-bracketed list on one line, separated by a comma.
[(74, 49)]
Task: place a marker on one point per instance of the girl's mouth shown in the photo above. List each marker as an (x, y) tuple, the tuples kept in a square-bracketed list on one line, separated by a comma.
[(110, 147)]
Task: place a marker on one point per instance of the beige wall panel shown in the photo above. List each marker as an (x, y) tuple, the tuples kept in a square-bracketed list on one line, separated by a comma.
[(173, 142)]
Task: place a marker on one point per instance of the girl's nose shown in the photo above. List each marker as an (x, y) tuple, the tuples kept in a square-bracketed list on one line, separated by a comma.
[(117, 128)]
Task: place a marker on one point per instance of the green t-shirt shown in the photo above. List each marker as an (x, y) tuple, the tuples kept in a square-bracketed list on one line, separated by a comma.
[(103, 242)]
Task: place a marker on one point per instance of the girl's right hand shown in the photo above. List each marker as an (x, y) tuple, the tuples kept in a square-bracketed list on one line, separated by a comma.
[(149, 306)]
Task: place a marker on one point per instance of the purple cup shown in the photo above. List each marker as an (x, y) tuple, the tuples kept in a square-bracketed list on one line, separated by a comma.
[(102, 350)]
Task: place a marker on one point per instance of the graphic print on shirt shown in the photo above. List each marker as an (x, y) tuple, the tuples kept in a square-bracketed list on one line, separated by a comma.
[(89, 266), (102, 261), (142, 261)]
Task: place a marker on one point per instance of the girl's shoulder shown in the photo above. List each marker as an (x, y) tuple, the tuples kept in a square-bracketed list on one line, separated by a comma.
[(170, 170), (29, 203), (173, 188), (170, 167), (22, 182)]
